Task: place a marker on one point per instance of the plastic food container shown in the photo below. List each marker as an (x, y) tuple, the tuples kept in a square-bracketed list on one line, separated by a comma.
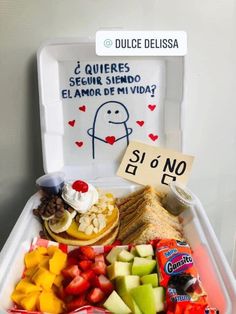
[(178, 199), (71, 117), (51, 183)]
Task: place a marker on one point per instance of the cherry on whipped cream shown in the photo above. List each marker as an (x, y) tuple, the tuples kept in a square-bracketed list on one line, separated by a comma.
[(80, 186)]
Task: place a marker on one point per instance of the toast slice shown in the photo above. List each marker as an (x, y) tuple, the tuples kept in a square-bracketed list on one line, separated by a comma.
[(147, 233), (143, 216)]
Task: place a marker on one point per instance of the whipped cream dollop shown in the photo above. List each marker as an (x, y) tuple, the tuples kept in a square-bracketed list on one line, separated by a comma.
[(81, 199)]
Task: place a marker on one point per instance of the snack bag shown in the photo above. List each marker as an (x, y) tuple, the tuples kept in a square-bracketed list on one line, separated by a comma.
[(177, 273)]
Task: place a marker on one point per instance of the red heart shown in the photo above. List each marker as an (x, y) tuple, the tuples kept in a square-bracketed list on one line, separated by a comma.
[(71, 123), (82, 108), (79, 144), (153, 137), (140, 123), (110, 140), (151, 107)]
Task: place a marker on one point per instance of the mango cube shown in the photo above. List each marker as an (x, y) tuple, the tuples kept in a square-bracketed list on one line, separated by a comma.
[(16, 296), (58, 280), (43, 278), (57, 262), (52, 249), (30, 271), (33, 258), (25, 286), (29, 301), (49, 303), (45, 262), (42, 250)]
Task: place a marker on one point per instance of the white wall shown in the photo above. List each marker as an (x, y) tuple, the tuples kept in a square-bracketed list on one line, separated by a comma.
[(210, 131)]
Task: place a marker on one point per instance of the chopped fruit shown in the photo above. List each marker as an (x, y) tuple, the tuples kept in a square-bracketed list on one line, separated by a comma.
[(76, 254), (118, 269), (52, 249), (77, 303), (16, 296), (144, 250), (99, 268), (42, 250), (89, 275), (71, 261), (125, 283), (80, 186), (58, 225), (115, 304), (58, 280), (112, 255), (151, 278), (96, 295), (159, 295), (100, 258), (105, 284), (25, 286), (142, 266), (48, 302), (88, 251), (43, 278), (125, 256), (71, 271), (57, 262), (85, 265), (77, 286), (129, 301), (29, 301), (145, 298), (33, 258)]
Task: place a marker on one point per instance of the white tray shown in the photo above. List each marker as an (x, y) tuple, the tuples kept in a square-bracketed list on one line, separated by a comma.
[(211, 263), (69, 147)]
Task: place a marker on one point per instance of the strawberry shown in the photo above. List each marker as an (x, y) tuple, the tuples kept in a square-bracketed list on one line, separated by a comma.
[(72, 261), (99, 258), (99, 268), (76, 303), (105, 284), (77, 286), (87, 251), (77, 255), (95, 295), (89, 275), (80, 186), (85, 265), (71, 271)]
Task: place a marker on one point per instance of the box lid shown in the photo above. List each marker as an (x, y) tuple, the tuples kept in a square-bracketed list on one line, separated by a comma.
[(92, 106)]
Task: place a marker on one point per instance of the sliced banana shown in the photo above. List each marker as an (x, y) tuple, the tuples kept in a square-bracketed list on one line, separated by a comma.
[(73, 214), (47, 218), (58, 225)]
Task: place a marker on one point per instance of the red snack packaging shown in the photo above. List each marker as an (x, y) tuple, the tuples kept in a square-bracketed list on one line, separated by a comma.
[(178, 274)]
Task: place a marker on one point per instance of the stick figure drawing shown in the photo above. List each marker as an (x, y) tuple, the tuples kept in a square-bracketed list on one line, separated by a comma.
[(110, 124)]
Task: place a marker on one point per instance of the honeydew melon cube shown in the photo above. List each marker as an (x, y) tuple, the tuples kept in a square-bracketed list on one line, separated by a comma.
[(129, 301), (145, 298), (149, 257), (144, 250), (159, 294), (142, 266), (117, 269), (125, 256), (151, 278), (116, 305), (112, 255), (125, 283)]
